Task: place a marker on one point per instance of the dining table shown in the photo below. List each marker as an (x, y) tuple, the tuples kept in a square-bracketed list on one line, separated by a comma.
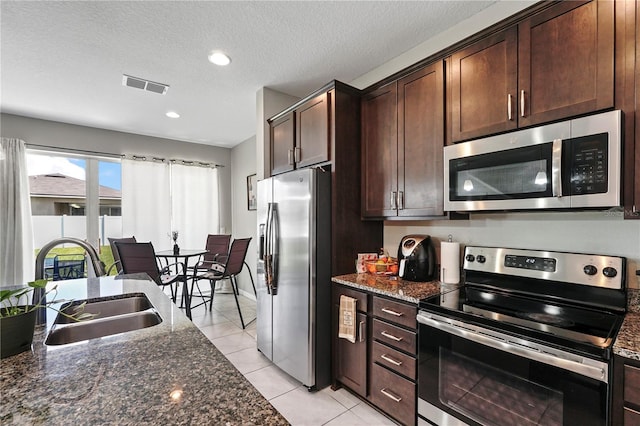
[(182, 257)]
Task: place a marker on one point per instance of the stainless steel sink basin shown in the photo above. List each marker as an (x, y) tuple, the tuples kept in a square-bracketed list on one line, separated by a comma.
[(112, 316), (102, 308)]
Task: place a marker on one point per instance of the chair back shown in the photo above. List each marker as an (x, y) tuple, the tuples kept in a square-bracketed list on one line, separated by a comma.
[(114, 249), (217, 246), (237, 254), (139, 257)]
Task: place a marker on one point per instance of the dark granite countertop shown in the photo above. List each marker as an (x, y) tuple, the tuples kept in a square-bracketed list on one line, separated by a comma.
[(166, 374), (395, 287), (627, 343)]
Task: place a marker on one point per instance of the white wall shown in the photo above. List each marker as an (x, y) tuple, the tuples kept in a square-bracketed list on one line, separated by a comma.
[(243, 164), (72, 137)]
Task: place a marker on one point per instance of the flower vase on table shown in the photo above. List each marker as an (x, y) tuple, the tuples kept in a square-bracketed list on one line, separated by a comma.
[(176, 248)]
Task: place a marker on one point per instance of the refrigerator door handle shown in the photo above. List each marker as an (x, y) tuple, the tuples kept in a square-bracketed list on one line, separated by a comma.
[(274, 238), (267, 249)]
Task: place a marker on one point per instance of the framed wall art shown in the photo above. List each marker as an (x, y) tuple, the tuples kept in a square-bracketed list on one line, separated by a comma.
[(252, 187)]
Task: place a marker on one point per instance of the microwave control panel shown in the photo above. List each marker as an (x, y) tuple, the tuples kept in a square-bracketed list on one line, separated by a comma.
[(589, 164)]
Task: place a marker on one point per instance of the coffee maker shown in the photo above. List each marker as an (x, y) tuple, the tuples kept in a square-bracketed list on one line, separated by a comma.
[(416, 258)]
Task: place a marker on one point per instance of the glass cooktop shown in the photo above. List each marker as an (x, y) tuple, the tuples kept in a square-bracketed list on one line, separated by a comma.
[(564, 325)]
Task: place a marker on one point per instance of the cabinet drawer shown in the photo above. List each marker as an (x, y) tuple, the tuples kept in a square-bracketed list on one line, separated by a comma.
[(632, 384), (396, 337), (397, 312), (631, 417), (393, 394), (393, 359), (361, 304)]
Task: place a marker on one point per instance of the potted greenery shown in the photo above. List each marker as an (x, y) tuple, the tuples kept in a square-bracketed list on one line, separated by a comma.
[(17, 322)]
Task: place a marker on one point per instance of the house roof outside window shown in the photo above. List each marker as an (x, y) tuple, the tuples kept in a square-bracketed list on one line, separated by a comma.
[(58, 185)]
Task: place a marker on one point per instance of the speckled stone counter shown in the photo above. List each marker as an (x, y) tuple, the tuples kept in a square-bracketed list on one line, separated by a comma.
[(395, 287), (627, 343), (166, 374)]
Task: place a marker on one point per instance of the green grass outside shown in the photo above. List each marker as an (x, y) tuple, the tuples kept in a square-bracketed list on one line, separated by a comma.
[(105, 255)]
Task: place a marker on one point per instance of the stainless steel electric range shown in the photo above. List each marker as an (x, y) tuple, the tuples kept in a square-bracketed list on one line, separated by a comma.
[(527, 340)]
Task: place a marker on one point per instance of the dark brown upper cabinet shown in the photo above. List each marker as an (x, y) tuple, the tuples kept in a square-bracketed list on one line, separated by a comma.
[(555, 64), (484, 87), (403, 136), (312, 132), (420, 142), (283, 133), (380, 152), (301, 137)]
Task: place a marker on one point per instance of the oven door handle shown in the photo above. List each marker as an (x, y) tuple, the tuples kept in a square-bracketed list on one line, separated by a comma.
[(584, 366)]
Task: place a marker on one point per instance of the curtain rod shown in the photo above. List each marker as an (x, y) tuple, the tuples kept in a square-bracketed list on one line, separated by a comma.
[(122, 156), (73, 150), (171, 161)]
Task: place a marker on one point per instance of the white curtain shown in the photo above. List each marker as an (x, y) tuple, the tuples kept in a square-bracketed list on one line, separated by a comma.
[(146, 202), (194, 204), (17, 261)]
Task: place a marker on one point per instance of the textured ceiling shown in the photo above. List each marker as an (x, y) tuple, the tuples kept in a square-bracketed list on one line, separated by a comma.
[(64, 61)]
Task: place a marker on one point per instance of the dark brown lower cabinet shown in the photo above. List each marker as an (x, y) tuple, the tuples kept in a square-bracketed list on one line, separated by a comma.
[(381, 366), (393, 394), (352, 368), (626, 392), (350, 359)]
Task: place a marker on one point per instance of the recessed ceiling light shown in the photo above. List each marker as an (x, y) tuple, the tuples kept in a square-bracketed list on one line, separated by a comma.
[(173, 114), (219, 58)]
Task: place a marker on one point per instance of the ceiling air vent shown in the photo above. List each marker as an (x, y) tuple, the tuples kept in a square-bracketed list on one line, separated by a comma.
[(141, 83)]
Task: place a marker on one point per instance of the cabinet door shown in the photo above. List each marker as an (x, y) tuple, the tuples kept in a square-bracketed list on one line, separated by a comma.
[(565, 62), (484, 87), (282, 144), (380, 153), (420, 142), (352, 358), (312, 132)]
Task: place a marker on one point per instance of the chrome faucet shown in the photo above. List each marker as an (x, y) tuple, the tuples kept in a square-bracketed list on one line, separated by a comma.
[(96, 267)]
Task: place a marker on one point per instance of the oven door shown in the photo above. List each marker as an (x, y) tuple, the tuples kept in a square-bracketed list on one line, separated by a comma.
[(471, 375)]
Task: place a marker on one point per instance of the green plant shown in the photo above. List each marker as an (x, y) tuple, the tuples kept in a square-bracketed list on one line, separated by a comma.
[(10, 298)]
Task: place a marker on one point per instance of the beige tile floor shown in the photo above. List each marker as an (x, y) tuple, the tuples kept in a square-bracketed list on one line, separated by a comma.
[(287, 395)]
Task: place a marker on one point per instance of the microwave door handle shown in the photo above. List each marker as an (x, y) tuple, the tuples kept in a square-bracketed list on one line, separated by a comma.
[(556, 168)]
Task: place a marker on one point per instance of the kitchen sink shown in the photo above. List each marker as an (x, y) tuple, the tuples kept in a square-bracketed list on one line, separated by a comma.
[(111, 316), (107, 307)]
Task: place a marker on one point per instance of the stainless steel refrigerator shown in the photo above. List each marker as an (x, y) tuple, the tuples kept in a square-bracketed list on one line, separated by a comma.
[(294, 273)]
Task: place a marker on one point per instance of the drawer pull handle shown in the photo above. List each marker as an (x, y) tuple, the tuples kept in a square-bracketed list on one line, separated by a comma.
[(391, 336), (389, 395), (390, 312), (391, 360), (361, 331)]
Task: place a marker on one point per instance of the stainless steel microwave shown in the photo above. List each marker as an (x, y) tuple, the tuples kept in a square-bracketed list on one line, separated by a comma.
[(571, 164)]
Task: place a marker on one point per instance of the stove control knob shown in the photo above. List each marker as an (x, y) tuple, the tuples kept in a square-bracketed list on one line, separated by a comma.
[(610, 272), (481, 259), (590, 270), (470, 258)]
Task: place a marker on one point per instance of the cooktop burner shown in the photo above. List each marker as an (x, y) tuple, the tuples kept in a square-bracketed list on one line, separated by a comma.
[(547, 319)]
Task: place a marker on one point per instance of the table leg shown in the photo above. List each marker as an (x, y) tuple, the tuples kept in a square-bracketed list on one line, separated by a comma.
[(185, 295)]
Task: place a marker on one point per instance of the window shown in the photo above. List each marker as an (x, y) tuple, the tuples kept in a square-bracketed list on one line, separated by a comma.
[(59, 185)]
